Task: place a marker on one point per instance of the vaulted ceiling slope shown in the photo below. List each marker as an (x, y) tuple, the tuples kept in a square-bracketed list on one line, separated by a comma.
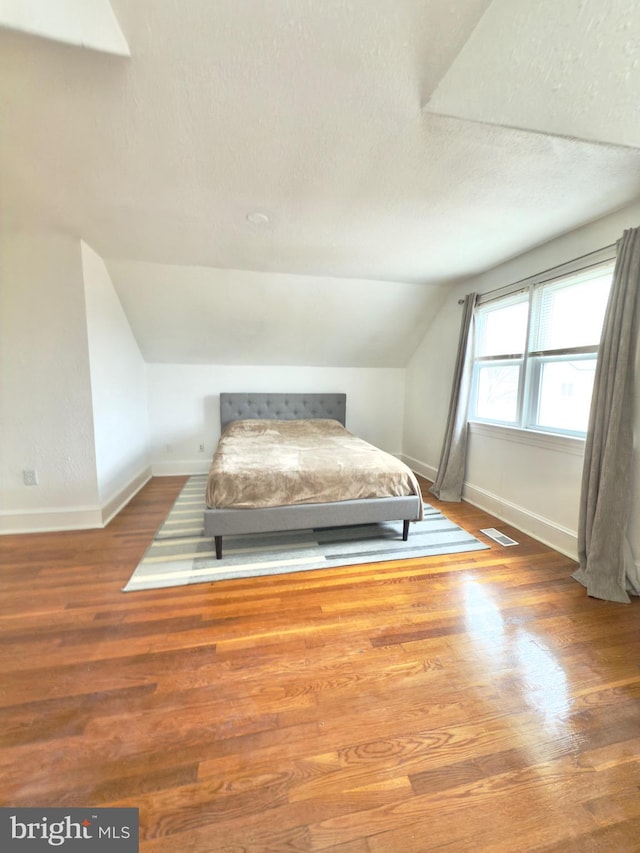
[(382, 148)]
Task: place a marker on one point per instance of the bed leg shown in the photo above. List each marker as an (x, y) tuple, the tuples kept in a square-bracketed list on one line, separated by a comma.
[(405, 530), (218, 541)]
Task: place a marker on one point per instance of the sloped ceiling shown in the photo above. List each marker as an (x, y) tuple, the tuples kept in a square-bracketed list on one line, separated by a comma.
[(86, 23), (387, 148)]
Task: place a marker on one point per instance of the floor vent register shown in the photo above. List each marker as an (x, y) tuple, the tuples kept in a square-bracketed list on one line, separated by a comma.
[(497, 536)]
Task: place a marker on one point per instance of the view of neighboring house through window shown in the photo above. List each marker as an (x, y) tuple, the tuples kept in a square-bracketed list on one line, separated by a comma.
[(536, 352)]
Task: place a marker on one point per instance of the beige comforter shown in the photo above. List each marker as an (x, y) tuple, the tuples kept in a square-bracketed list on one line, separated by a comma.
[(266, 463)]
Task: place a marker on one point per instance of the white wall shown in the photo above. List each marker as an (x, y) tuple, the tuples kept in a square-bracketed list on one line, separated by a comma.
[(184, 405), (533, 484), (118, 390), (46, 419)]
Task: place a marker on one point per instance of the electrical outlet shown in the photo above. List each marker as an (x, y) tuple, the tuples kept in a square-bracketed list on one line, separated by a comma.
[(30, 477), (201, 448), (168, 448)]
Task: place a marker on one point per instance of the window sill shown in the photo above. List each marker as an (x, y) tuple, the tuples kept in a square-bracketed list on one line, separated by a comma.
[(548, 441)]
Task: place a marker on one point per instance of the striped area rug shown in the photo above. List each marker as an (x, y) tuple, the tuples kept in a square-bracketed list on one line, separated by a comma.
[(180, 554)]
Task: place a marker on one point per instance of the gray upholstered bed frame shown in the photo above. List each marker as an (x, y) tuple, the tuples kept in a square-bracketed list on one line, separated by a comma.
[(221, 522)]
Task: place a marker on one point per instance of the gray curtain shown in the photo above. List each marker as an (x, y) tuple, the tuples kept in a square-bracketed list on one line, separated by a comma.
[(606, 562), (450, 477)]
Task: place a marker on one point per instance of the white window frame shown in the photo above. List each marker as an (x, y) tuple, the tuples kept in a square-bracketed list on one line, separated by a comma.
[(531, 360)]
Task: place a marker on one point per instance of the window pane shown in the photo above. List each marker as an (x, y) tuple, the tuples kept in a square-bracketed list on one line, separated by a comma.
[(571, 313), (502, 330), (497, 392), (565, 394)]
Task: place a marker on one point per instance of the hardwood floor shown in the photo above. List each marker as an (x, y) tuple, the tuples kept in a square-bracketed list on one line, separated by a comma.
[(477, 702)]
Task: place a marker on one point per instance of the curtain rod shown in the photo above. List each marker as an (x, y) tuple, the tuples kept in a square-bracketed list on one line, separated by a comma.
[(557, 270)]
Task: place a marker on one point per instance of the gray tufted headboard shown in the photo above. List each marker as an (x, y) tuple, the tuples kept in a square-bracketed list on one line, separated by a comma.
[(240, 406)]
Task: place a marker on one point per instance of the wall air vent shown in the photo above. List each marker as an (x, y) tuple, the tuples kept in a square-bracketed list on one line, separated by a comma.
[(499, 537)]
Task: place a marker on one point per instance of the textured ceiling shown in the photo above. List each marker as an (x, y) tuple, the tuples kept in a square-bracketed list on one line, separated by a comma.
[(397, 142)]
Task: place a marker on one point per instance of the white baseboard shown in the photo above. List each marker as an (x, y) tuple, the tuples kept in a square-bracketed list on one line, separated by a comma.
[(180, 467), (543, 529), (419, 467), (50, 520), (71, 518), (122, 498)]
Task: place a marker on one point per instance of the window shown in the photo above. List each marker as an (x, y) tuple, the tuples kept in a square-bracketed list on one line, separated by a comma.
[(536, 352)]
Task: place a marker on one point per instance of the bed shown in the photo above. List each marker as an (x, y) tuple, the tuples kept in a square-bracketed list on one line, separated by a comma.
[(274, 455)]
